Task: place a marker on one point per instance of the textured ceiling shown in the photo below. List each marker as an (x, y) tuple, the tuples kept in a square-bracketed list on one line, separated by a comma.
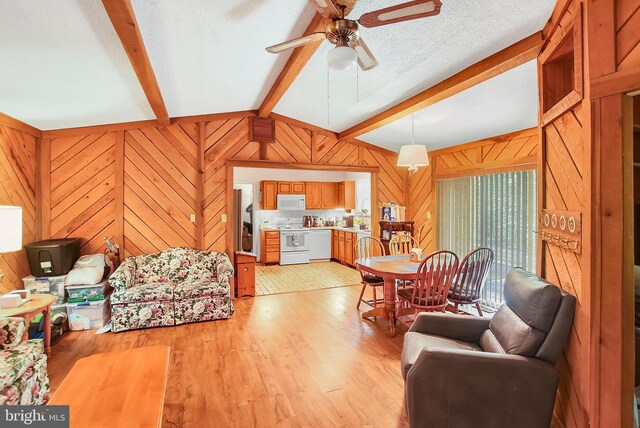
[(209, 57), (506, 103), (413, 56), (63, 66)]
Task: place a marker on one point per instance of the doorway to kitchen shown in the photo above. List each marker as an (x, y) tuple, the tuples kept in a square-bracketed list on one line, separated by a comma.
[(295, 217)]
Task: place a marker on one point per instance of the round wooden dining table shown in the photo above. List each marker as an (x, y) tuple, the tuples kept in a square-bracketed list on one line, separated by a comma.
[(389, 268)]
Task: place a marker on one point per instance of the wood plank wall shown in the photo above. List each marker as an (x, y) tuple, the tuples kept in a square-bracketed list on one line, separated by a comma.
[(509, 152), (140, 186), (17, 187), (627, 34)]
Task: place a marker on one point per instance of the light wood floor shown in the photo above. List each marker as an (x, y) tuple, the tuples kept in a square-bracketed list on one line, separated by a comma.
[(274, 279), (293, 360)]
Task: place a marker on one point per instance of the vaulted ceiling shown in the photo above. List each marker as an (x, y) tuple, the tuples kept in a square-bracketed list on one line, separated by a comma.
[(63, 65)]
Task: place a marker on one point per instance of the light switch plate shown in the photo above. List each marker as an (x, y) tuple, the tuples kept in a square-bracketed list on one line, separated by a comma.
[(192, 218), (224, 218), (428, 215)]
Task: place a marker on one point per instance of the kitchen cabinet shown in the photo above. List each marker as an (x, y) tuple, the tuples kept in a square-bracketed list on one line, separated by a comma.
[(313, 191), (269, 246), (291, 187), (348, 248), (284, 188), (269, 195), (328, 196), (335, 244), (343, 247), (298, 187), (346, 195)]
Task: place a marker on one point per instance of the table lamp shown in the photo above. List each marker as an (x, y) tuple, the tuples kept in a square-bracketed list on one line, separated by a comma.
[(10, 230)]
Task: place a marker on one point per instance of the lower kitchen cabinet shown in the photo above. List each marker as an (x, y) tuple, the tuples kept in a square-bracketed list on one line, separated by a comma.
[(269, 246), (343, 247)]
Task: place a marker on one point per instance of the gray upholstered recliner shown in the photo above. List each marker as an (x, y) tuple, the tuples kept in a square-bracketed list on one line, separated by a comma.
[(465, 371)]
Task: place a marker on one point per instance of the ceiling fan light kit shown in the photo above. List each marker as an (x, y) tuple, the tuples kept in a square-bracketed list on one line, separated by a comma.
[(345, 34)]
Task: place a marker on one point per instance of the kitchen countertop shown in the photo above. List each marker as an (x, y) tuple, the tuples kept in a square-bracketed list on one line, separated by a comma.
[(346, 229)]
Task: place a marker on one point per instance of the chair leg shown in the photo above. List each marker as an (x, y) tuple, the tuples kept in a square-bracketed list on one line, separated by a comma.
[(478, 308), (375, 298), (364, 286)]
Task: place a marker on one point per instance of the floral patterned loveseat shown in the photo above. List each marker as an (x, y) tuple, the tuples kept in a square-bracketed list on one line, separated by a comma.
[(174, 286), (23, 366)]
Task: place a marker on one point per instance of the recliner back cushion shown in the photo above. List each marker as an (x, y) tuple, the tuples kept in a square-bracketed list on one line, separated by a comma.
[(513, 334), (532, 298)]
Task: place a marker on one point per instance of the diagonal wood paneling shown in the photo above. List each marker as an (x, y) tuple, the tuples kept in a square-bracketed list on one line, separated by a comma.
[(160, 180), (83, 189), (517, 150), (17, 187), (627, 34)]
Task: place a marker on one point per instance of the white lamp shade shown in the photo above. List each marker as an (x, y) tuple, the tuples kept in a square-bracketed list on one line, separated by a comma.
[(10, 229), (342, 58), (413, 155)]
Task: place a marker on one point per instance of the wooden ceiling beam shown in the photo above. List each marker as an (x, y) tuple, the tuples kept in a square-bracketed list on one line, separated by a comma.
[(511, 57), (124, 21), (296, 62), (298, 59)]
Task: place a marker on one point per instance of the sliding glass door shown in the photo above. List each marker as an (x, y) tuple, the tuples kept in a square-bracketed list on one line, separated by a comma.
[(496, 211)]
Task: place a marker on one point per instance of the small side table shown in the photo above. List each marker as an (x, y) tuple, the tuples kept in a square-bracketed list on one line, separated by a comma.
[(39, 303), (245, 274)]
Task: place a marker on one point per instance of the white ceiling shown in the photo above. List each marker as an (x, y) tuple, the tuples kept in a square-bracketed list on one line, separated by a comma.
[(506, 103), (63, 66), (413, 56), (209, 57)]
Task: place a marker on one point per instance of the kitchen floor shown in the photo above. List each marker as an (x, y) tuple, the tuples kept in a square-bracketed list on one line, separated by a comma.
[(276, 279)]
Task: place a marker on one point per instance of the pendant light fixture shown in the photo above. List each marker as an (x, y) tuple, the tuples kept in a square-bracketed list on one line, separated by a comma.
[(413, 155)]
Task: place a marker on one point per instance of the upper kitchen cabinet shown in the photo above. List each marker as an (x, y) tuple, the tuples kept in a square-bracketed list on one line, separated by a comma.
[(346, 195), (269, 195), (313, 191), (328, 196), (291, 187)]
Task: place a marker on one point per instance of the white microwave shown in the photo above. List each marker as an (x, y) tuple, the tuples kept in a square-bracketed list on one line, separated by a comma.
[(292, 202)]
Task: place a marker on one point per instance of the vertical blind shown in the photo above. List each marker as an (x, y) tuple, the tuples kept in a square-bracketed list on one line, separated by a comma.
[(497, 211)]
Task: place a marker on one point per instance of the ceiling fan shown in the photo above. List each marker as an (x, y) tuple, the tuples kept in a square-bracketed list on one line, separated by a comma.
[(345, 33)]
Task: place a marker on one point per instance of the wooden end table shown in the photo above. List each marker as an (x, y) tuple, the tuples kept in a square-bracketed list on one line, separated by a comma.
[(116, 389), (39, 303)]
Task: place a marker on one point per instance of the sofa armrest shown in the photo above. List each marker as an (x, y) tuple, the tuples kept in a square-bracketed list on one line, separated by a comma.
[(459, 388), (12, 331), (123, 277), (224, 270), (466, 328)]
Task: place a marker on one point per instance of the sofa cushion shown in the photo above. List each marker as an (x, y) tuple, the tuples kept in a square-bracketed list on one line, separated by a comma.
[(415, 342), (11, 332), (176, 265), (15, 362), (489, 343), (188, 290), (154, 292)]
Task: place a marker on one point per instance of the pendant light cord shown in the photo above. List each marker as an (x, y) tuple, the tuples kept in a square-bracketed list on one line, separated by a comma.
[(412, 130)]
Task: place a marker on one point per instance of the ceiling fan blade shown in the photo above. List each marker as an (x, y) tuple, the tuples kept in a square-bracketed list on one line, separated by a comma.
[(366, 60), (294, 43), (402, 12), (326, 8)]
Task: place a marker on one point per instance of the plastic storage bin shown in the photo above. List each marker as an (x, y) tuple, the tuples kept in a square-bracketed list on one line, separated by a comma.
[(84, 293), (89, 315), (53, 257), (46, 285)]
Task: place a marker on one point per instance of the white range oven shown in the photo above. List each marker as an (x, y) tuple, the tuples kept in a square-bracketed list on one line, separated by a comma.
[(294, 247)]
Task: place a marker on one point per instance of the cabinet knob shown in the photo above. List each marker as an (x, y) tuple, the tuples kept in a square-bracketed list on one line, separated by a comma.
[(246, 269)]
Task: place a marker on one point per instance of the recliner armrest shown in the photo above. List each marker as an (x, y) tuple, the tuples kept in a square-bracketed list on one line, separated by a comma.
[(460, 327), (463, 387)]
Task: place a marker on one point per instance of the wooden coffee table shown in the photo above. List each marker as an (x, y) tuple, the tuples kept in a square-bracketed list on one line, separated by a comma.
[(116, 389), (39, 303)]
